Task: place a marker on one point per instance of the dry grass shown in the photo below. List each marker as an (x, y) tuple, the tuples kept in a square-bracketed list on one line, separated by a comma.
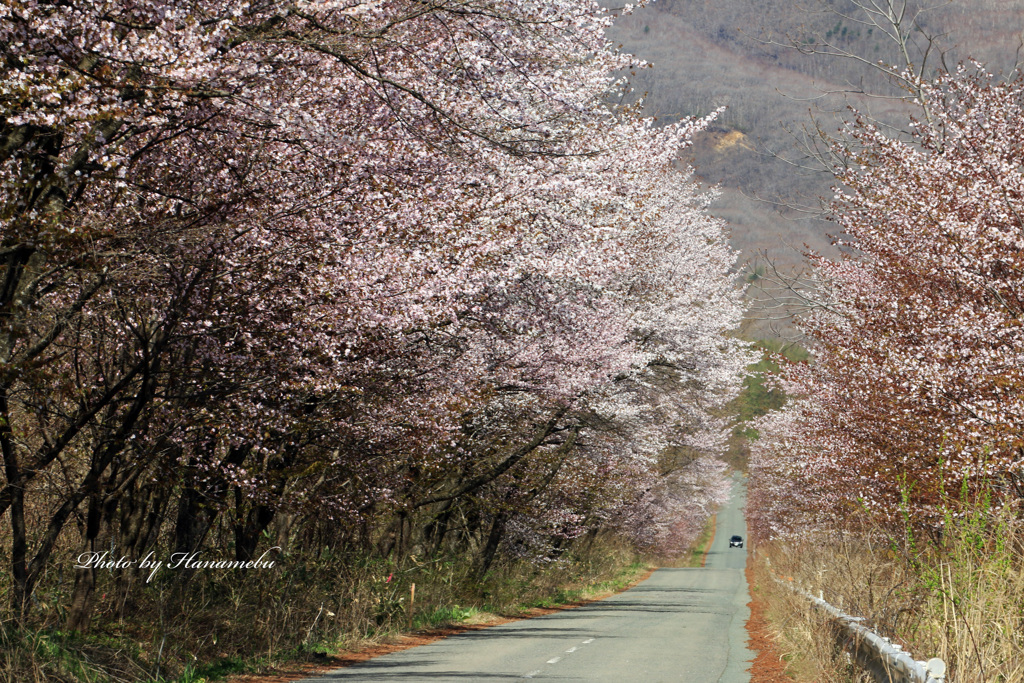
[(220, 623), (960, 598), (804, 637)]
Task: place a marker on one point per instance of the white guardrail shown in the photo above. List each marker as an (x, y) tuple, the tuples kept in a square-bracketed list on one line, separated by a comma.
[(884, 660)]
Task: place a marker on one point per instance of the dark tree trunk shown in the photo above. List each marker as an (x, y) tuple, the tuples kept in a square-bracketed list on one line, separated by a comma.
[(493, 541), (85, 579), (438, 527), (199, 505), (81, 600), (247, 533), (19, 537)]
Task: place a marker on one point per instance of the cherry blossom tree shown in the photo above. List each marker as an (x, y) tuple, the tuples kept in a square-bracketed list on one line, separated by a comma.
[(345, 260), (912, 404)]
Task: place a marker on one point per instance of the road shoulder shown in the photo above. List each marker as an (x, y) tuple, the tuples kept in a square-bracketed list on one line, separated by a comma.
[(767, 665), (294, 671)]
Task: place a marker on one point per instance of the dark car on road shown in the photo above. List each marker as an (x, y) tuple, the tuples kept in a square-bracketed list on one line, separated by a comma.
[(736, 542)]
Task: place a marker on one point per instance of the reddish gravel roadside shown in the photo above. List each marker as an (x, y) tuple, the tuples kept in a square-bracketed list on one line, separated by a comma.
[(767, 666)]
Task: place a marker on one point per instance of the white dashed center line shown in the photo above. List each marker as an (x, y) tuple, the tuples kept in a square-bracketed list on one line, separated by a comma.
[(556, 660)]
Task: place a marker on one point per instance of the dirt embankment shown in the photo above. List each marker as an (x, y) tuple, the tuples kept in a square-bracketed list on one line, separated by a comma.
[(768, 665)]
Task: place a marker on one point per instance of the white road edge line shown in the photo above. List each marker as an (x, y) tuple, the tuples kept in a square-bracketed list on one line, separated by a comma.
[(531, 674)]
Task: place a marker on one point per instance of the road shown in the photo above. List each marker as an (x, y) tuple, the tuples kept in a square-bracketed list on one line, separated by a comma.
[(678, 625)]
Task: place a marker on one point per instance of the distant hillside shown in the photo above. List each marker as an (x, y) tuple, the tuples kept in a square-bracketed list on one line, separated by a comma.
[(733, 53)]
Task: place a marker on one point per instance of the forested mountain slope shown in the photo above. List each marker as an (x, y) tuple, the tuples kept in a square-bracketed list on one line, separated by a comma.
[(738, 54)]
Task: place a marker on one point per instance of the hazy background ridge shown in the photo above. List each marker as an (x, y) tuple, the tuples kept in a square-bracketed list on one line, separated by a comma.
[(733, 53)]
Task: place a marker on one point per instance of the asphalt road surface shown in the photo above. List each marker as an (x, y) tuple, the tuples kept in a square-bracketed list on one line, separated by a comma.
[(678, 625)]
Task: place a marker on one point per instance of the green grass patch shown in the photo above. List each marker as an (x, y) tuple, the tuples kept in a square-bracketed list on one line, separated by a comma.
[(569, 595), (695, 557), (445, 615)]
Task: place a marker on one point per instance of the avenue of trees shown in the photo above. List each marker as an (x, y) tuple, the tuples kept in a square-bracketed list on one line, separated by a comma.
[(383, 276)]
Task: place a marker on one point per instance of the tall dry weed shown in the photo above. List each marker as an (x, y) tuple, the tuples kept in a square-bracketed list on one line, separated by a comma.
[(958, 595)]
